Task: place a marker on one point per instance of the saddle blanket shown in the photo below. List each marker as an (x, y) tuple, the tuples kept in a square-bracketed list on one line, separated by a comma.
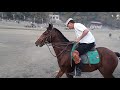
[(91, 57)]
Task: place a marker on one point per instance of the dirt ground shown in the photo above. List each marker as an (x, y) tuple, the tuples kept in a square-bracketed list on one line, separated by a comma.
[(20, 58)]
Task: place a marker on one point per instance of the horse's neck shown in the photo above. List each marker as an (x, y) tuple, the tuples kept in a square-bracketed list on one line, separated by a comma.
[(59, 37), (57, 42)]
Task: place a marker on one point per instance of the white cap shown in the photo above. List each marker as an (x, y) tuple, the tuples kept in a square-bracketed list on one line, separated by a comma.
[(68, 21)]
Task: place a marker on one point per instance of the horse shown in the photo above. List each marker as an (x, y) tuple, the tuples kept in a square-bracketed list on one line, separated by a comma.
[(62, 47)]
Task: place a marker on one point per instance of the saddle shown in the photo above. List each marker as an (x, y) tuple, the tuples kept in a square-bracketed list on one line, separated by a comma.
[(93, 49)]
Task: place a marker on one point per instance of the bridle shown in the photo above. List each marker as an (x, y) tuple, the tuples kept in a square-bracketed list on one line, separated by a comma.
[(66, 44)]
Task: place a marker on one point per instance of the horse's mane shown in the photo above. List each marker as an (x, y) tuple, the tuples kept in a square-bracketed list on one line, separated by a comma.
[(62, 36)]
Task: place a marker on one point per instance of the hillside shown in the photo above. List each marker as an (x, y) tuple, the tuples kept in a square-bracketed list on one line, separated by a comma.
[(107, 18)]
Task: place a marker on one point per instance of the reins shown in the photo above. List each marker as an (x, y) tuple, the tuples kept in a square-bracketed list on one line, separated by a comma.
[(63, 43)]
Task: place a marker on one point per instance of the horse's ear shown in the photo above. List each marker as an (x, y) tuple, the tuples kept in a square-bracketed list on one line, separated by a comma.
[(50, 26)]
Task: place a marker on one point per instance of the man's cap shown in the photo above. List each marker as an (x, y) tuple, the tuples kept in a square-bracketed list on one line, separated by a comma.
[(68, 21)]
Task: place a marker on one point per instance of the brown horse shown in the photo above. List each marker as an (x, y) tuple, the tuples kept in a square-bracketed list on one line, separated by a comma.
[(62, 47)]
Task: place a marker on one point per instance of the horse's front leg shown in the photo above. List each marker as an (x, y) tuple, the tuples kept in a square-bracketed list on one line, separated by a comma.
[(60, 73)]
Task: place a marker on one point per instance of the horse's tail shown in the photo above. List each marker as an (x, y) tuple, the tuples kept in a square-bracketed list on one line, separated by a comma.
[(118, 54)]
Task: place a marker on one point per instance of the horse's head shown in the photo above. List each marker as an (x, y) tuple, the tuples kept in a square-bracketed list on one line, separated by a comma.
[(45, 37)]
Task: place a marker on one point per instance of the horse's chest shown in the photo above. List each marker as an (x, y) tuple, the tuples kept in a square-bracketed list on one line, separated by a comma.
[(63, 63)]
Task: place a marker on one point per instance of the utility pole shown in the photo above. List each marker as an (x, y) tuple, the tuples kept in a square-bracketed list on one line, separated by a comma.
[(13, 16), (34, 19), (24, 18), (42, 20), (2, 16)]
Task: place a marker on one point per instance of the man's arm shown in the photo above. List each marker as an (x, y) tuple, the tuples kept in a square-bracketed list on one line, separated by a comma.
[(83, 34)]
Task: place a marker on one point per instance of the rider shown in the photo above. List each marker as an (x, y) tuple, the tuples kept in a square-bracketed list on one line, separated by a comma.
[(85, 41)]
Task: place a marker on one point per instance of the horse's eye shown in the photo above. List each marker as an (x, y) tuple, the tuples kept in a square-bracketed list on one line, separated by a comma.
[(45, 33)]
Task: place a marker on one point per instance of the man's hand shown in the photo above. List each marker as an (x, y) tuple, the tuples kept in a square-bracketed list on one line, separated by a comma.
[(77, 40)]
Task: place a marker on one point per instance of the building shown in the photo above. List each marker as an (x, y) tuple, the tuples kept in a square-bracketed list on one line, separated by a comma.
[(53, 18), (95, 25)]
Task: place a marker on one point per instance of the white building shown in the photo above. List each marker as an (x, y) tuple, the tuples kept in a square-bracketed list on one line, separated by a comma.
[(53, 18)]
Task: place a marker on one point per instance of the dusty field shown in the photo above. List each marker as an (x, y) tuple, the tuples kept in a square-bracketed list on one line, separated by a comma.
[(20, 58)]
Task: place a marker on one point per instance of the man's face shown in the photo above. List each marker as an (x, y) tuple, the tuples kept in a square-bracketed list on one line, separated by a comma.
[(70, 25)]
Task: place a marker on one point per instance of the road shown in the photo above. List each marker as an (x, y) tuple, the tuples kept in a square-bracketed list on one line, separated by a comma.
[(20, 58)]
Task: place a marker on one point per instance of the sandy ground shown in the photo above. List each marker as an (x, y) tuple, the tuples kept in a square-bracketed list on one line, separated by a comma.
[(20, 58)]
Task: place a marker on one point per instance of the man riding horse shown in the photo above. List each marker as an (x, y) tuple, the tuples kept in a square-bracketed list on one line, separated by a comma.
[(85, 41)]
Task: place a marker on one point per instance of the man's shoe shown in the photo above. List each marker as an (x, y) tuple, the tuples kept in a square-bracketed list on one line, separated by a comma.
[(76, 72)]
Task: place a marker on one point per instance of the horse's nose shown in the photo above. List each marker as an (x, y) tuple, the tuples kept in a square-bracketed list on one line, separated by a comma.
[(36, 44)]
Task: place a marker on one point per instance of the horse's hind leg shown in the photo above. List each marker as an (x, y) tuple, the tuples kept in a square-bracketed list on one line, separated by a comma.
[(106, 73), (111, 76), (108, 76)]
